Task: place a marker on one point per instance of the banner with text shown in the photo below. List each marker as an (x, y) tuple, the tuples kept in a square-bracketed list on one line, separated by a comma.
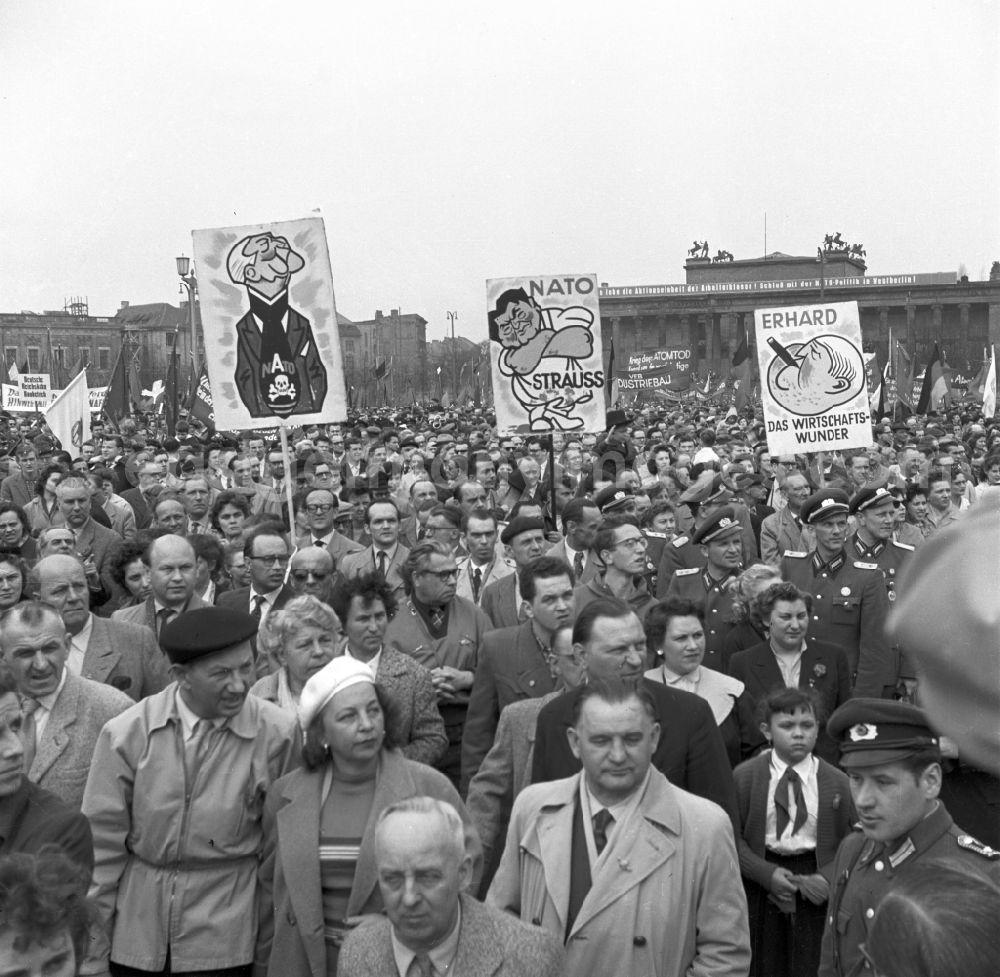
[(545, 353), (813, 385), (655, 370)]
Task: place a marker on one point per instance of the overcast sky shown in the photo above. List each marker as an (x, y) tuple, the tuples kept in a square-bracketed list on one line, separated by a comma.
[(448, 143)]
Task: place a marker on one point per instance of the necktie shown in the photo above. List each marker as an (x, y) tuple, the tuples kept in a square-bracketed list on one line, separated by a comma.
[(196, 528), (477, 583), (381, 564), (420, 966), (28, 707), (789, 780), (163, 617), (258, 604), (602, 821), (437, 617), (194, 748), (578, 565), (318, 542)]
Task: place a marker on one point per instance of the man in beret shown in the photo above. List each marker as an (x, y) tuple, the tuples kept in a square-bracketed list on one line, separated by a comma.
[(719, 538), (175, 797), (850, 605), (525, 540), (893, 760)]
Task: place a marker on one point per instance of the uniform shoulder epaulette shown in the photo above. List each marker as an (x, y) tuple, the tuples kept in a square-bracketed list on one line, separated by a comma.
[(865, 566), (903, 546), (654, 535), (686, 572), (796, 554), (974, 845), (679, 541)]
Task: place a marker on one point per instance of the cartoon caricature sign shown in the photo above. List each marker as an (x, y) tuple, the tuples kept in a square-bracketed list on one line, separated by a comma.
[(545, 352), (813, 382), (272, 346)]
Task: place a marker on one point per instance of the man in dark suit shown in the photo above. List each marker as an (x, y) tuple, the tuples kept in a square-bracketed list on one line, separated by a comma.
[(513, 662), (279, 371), (172, 574), (98, 547), (525, 540), (31, 817), (116, 653), (609, 637), (788, 659), (19, 488), (580, 521), (143, 497), (267, 553)]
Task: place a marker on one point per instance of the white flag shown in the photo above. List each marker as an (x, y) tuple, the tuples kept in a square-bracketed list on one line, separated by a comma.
[(990, 387), (14, 374), (68, 415)]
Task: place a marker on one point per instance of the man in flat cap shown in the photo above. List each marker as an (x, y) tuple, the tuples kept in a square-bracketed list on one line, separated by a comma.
[(175, 796), (893, 760), (720, 540), (850, 605)]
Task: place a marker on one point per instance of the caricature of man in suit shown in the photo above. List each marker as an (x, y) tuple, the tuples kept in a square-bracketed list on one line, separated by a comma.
[(278, 367)]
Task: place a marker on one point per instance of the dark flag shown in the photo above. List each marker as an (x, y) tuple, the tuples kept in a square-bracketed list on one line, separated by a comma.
[(116, 397), (935, 390), (611, 381), (201, 403), (740, 373), (171, 392), (380, 370)]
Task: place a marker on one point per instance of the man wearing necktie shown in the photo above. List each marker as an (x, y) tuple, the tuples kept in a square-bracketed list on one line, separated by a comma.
[(321, 507), (431, 926), (595, 859), (386, 554)]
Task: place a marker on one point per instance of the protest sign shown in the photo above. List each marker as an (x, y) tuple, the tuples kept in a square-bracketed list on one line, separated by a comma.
[(96, 398), (813, 378), (270, 323), (545, 353), (15, 400), (35, 387), (667, 370)]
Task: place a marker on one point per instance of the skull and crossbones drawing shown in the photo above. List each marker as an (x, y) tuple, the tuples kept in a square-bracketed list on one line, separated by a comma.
[(281, 387)]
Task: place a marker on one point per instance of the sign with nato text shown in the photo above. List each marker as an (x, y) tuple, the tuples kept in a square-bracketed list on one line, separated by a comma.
[(545, 353)]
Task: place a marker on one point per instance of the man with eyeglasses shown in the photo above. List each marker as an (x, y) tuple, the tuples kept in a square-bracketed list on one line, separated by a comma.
[(386, 555), (311, 572), (443, 632), (143, 496), (320, 506), (444, 523), (621, 547), (513, 662), (267, 553), (784, 529), (711, 588)]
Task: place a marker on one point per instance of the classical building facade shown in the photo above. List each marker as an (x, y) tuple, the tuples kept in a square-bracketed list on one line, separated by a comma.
[(709, 313)]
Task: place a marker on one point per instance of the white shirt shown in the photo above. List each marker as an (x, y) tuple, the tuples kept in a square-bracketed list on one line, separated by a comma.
[(78, 645), (265, 608), (805, 838), (590, 805), (45, 706), (790, 664), (372, 662)]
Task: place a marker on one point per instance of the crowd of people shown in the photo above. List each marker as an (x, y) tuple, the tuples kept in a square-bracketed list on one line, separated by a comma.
[(415, 698)]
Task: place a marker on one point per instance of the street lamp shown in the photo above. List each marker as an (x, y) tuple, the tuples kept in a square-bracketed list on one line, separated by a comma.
[(454, 355), (190, 282)]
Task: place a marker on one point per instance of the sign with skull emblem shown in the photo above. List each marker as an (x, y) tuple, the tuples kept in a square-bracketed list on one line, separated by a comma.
[(272, 346), (813, 381)]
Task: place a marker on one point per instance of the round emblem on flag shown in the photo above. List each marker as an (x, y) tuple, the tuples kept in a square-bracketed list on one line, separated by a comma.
[(76, 434)]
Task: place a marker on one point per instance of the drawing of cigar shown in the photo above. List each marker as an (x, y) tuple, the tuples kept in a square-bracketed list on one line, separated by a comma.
[(781, 351)]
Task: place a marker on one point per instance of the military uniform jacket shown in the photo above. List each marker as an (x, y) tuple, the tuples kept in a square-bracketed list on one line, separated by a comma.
[(716, 597), (863, 872), (850, 607), (889, 556), (679, 554)]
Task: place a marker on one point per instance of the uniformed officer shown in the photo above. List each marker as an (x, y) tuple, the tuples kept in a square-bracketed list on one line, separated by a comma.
[(720, 540), (872, 542), (850, 605), (893, 760), (683, 553)]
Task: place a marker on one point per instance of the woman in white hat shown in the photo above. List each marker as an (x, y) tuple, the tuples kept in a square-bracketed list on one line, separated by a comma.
[(318, 871)]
